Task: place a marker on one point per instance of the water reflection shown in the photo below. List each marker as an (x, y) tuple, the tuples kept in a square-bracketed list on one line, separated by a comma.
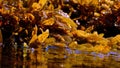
[(77, 59)]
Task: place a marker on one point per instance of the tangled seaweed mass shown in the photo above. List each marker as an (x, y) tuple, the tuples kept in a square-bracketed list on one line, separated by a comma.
[(66, 22), (89, 25)]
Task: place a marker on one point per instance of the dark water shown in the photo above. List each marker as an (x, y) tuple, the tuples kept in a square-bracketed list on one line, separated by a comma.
[(77, 60)]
